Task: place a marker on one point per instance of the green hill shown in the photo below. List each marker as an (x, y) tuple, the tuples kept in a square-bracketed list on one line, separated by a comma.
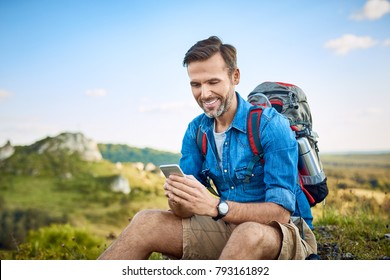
[(41, 187), (125, 153)]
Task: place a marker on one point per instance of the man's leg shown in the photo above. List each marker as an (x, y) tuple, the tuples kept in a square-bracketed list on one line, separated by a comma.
[(253, 241), (149, 231)]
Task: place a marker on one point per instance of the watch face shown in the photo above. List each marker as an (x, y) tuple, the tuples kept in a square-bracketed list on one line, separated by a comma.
[(223, 208)]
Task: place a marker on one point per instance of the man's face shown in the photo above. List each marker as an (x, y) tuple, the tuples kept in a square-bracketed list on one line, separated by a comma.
[(211, 85)]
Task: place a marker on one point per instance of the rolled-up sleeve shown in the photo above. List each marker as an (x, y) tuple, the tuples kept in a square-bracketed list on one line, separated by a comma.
[(281, 161)]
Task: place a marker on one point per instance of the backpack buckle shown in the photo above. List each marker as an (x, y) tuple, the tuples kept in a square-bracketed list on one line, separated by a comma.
[(251, 164)]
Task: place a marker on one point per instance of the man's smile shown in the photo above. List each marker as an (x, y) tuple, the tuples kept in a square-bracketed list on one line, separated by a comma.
[(210, 103)]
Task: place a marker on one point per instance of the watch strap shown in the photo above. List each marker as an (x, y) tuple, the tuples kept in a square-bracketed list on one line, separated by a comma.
[(220, 215)]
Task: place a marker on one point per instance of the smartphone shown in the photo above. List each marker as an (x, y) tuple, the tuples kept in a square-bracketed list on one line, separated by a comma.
[(169, 169)]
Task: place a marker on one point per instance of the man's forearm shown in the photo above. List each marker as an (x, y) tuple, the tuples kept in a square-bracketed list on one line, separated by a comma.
[(256, 212)]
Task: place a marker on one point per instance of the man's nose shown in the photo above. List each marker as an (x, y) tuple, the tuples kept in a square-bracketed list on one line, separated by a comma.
[(205, 91)]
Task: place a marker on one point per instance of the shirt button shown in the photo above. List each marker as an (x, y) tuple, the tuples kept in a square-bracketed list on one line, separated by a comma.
[(226, 143), (232, 187), (225, 170)]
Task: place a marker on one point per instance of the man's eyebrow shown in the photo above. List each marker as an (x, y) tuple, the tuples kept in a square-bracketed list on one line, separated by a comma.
[(207, 81)]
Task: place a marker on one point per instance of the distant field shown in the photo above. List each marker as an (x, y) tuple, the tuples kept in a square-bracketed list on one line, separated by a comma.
[(372, 160)]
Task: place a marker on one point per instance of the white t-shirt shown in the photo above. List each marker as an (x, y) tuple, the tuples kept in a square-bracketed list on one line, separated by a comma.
[(219, 140)]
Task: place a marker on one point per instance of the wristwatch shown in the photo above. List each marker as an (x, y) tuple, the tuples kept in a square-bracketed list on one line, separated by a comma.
[(223, 209)]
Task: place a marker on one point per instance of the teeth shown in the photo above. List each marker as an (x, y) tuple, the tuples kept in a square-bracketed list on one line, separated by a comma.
[(210, 102)]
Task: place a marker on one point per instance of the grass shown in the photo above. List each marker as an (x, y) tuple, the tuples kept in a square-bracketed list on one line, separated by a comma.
[(358, 236), (84, 200), (352, 223), (356, 216)]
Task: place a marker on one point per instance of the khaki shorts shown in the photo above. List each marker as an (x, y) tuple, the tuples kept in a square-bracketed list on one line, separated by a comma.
[(204, 238)]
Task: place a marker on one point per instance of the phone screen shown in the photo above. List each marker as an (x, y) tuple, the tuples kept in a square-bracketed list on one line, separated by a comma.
[(169, 169)]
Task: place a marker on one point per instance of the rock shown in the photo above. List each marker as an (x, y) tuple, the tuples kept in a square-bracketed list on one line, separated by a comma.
[(150, 167), (139, 166), (119, 166), (73, 143), (329, 251), (120, 184), (6, 151), (348, 256)]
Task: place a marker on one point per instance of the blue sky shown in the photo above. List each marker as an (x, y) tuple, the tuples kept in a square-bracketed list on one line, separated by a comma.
[(113, 69)]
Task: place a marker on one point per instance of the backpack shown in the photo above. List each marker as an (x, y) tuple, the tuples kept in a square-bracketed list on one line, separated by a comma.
[(290, 101)]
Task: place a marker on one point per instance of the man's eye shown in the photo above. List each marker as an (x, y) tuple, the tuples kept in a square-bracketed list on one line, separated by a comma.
[(213, 82), (195, 85)]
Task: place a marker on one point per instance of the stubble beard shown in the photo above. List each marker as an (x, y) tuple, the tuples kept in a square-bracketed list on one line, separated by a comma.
[(225, 105)]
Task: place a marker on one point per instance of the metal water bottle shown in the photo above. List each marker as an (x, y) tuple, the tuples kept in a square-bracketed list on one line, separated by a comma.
[(308, 162)]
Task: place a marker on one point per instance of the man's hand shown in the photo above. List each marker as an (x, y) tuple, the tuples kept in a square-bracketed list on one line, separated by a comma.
[(190, 196), (176, 208)]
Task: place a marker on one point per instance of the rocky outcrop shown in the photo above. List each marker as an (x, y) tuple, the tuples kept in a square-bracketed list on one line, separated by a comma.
[(72, 143), (120, 184), (150, 167), (6, 151)]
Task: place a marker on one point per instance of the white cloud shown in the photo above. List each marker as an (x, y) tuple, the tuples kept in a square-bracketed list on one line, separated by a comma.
[(349, 42), (386, 43), (99, 92), (4, 94), (372, 10)]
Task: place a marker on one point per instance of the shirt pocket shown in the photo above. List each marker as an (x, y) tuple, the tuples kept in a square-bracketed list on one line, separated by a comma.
[(255, 186), (210, 174)]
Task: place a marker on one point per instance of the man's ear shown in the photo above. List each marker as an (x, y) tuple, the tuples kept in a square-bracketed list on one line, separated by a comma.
[(236, 76)]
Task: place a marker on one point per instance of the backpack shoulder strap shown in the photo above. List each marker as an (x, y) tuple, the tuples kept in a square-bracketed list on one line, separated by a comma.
[(253, 125), (253, 130), (201, 141)]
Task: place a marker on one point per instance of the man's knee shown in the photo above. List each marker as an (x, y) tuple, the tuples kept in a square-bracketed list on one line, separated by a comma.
[(143, 215), (252, 240), (258, 235), (149, 218), (154, 222), (250, 233)]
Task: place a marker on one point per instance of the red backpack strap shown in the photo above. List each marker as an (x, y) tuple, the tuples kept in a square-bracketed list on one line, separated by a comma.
[(254, 129), (201, 141), (285, 84), (253, 124), (311, 200)]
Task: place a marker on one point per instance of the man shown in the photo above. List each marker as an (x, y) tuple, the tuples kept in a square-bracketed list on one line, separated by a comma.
[(250, 220)]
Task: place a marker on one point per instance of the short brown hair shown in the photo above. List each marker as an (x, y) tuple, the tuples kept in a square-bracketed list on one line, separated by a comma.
[(205, 49)]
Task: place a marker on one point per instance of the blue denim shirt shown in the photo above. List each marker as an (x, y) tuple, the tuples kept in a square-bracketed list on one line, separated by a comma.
[(274, 181)]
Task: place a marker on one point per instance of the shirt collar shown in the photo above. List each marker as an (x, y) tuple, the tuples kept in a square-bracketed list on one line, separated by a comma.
[(239, 121), (240, 118)]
